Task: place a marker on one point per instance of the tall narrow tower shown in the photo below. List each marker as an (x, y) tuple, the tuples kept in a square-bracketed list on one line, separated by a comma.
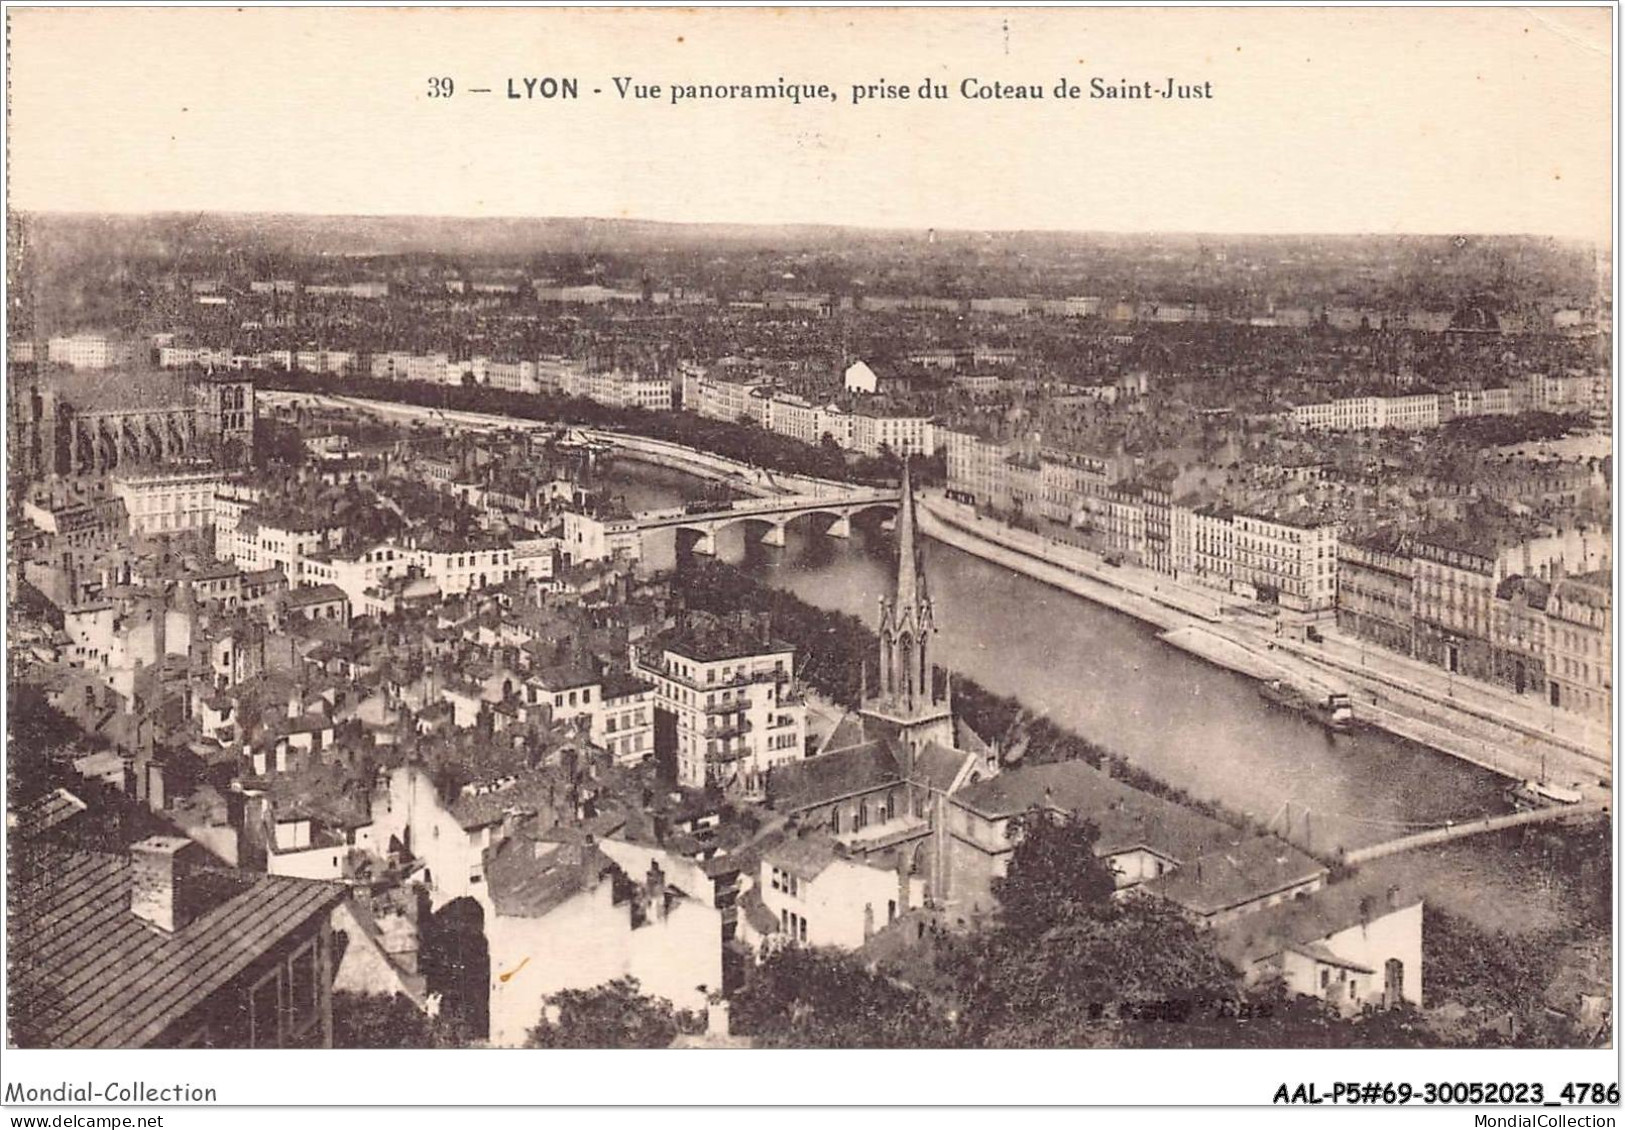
[(906, 705)]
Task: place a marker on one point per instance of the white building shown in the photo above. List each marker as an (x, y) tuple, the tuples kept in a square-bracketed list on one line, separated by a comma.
[(458, 568), (1351, 944), (167, 502), (89, 351), (822, 899), (860, 378), (625, 726), (902, 435), (356, 571), (587, 537), (728, 688), (555, 923), (1291, 560)]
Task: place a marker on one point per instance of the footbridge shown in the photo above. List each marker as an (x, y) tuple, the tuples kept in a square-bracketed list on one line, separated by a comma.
[(771, 514), (1457, 830)]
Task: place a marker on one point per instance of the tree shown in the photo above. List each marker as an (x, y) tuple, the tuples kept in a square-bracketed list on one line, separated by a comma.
[(1067, 964), (816, 998), (456, 963), (1054, 875), (613, 1015), (370, 1021)]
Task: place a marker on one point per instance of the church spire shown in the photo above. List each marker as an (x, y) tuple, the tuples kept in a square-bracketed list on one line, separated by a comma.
[(908, 566)]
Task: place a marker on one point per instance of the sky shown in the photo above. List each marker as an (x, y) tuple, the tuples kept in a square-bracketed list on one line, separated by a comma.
[(1321, 120)]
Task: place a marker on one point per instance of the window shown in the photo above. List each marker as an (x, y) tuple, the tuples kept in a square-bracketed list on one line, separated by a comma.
[(304, 993), (265, 1012)]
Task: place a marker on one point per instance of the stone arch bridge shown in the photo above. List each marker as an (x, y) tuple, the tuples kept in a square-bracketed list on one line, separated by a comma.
[(774, 513)]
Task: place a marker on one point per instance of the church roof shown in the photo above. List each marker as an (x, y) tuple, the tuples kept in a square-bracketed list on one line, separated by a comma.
[(800, 785), (847, 733), (939, 768)]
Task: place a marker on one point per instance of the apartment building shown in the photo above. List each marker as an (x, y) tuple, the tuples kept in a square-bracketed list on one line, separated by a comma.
[(89, 351), (1288, 559), (1580, 651), (1374, 590), (902, 435), (726, 709), (167, 502), (1455, 575)]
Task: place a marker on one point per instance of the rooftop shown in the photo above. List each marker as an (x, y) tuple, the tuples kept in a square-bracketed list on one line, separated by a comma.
[(89, 973), (800, 785), (1216, 865), (1304, 921), (708, 640), (528, 878), (118, 390)]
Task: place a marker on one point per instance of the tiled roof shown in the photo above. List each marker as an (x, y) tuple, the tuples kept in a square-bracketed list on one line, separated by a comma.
[(848, 732), (711, 642), (315, 594), (1535, 591), (44, 813), (536, 791), (1591, 589), (1232, 872), (938, 768), (1217, 865), (803, 856), (805, 784), (92, 974), (525, 886), (1309, 921)]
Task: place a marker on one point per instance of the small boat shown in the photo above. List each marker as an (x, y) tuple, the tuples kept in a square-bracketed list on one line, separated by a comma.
[(1529, 795), (1335, 712)]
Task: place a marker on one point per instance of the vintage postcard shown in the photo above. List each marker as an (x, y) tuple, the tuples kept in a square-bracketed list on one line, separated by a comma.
[(812, 528)]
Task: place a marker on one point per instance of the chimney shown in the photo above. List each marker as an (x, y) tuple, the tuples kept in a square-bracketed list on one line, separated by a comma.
[(296, 706), (655, 881), (156, 799), (1393, 898), (158, 867)]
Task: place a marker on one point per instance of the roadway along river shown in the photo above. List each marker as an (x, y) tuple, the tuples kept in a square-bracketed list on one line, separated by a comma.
[(1106, 676)]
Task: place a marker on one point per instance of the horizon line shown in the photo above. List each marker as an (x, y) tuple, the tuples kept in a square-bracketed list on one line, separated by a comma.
[(819, 224)]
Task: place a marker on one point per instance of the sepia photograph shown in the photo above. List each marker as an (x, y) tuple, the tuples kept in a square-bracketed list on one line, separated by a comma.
[(811, 528)]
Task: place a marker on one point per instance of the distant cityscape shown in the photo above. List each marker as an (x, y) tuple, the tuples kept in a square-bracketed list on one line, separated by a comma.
[(395, 659)]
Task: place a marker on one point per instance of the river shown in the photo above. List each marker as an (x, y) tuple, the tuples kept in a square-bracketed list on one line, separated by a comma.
[(1106, 676)]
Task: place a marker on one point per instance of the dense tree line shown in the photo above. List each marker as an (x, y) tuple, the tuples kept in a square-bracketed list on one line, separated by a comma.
[(737, 440)]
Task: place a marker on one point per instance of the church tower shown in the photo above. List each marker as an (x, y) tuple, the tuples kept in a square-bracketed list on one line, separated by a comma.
[(906, 705)]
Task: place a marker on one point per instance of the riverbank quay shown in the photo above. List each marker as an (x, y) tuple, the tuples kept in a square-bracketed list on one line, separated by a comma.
[(1473, 722)]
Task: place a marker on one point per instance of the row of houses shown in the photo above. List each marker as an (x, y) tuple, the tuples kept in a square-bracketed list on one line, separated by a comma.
[(864, 428), (1282, 556), (1534, 616), (1564, 392)]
